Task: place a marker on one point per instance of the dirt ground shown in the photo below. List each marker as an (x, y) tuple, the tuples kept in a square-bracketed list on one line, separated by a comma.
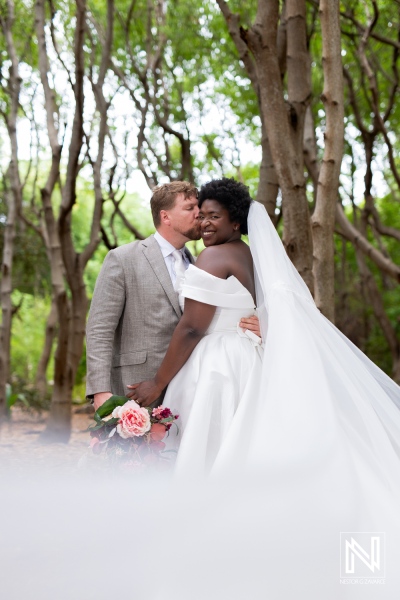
[(20, 445)]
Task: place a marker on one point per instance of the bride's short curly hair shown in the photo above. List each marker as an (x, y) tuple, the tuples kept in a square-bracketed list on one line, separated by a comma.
[(233, 195)]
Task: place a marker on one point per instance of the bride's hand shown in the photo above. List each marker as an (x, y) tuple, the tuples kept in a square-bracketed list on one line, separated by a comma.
[(144, 393)]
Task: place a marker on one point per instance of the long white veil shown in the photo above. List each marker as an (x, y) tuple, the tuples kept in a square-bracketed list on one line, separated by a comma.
[(321, 399), (274, 270)]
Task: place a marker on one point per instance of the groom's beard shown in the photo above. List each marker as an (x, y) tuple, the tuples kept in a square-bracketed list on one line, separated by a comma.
[(193, 233)]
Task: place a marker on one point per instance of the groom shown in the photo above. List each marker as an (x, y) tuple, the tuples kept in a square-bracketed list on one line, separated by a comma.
[(135, 307)]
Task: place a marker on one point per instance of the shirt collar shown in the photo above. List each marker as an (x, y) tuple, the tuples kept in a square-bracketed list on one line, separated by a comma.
[(165, 246)]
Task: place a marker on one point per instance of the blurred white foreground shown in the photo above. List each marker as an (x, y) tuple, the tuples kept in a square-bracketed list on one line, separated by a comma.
[(83, 537)]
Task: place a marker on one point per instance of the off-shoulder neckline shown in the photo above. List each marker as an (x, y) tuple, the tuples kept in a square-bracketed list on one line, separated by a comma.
[(216, 276), (220, 278)]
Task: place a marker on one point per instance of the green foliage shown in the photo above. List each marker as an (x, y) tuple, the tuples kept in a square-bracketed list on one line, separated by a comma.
[(27, 336), (13, 397), (136, 212), (354, 314), (31, 273)]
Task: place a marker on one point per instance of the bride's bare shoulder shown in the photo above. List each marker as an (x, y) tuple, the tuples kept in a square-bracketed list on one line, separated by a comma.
[(214, 260)]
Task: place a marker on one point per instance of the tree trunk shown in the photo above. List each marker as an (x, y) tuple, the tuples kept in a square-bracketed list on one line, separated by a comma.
[(310, 150), (69, 351), (283, 132), (298, 64), (59, 421), (50, 236), (50, 333), (58, 424), (13, 200), (323, 219), (58, 428), (6, 304), (268, 187)]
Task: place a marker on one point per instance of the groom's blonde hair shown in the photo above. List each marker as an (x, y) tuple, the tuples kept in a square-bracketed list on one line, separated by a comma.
[(164, 197)]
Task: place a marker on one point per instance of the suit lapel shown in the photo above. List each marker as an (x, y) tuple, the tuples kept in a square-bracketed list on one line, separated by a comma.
[(189, 256), (153, 254)]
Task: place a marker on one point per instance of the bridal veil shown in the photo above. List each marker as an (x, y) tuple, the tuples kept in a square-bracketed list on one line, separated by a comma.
[(322, 403)]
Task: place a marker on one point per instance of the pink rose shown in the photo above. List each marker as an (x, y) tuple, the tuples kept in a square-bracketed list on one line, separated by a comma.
[(157, 432), (134, 420)]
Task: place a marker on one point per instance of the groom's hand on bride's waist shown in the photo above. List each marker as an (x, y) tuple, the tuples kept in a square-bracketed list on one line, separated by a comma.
[(252, 324)]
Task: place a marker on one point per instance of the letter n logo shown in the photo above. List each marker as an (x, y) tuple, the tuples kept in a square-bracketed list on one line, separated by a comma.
[(362, 554)]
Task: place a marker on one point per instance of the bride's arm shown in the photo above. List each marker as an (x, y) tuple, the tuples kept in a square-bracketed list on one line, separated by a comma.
[(190, 330)]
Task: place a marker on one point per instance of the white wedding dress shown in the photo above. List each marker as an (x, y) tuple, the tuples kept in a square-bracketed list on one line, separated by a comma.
[(222, 373)]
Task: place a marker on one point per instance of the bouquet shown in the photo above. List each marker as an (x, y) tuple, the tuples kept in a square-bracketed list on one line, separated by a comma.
[(130, 436)]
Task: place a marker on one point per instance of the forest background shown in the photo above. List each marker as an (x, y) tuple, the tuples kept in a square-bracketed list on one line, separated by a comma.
[(102, 100)]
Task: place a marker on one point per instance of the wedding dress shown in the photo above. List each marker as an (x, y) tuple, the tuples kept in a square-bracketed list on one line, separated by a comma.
[(222, 373)]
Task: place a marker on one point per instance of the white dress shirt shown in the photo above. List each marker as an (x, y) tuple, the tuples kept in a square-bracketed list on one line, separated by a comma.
[(167, 250)]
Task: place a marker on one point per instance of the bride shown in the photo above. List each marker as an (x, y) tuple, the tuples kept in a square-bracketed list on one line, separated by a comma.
[(310, 406)]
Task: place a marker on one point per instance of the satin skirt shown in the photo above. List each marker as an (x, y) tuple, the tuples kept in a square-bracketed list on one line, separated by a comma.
[(222, 374)]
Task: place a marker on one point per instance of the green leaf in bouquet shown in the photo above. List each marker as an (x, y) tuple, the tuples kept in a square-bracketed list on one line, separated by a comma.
[(167, 420), (97, 418), (112, 422), (95, 427), (106, 409)]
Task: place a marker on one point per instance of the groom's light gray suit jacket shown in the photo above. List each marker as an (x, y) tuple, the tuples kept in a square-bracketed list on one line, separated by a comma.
[(133, 315)]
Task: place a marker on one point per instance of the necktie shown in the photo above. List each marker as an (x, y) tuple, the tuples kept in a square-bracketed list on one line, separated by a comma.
[(180, 269)]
